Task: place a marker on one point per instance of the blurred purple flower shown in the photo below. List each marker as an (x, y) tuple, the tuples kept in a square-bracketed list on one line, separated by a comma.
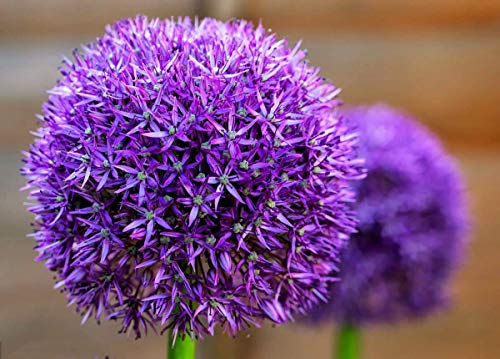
[(188, 174), (413, 221)]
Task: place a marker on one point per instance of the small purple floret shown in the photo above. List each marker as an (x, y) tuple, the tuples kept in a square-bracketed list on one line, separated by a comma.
[(413, 220), (189, 174)]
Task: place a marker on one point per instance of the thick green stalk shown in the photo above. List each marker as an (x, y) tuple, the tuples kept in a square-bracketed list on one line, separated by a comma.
[(184, 348), (348, 342)]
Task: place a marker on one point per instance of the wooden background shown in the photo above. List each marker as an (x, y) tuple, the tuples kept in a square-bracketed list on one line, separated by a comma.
[(438, 59)]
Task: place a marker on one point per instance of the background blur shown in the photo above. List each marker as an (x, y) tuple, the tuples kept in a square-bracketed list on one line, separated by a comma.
[(438, 59)]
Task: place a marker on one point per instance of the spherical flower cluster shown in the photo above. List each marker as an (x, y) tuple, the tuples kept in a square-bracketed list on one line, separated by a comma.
[(189, 174), (413, 220)]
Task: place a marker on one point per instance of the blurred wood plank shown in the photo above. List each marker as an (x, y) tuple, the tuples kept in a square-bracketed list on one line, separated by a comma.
[(41, 18), (449, 79), (223, 9), (14, 218), (340, 15), (27, 18)]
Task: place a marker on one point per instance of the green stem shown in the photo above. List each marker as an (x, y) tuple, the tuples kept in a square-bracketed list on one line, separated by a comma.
[(183, 348), (348, 342)]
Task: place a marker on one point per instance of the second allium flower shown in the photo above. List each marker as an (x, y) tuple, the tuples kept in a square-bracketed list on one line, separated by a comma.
[(413, 221), (191, 173)]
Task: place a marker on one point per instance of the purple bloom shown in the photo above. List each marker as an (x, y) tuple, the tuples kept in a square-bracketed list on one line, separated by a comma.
[(189, 174), (413, 220)]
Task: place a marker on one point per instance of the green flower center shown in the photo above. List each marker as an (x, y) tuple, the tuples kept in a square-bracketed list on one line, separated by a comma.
[(253, 257), (198, 200), (167, 198), (237, 228), (141, 176), (213, 303), (244, 165), (210, 240), (224, 179), (178, 166), (85, 158)]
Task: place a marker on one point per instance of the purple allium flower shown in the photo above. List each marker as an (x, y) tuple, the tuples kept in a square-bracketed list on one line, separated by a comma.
[(189, 174), (413, 221)]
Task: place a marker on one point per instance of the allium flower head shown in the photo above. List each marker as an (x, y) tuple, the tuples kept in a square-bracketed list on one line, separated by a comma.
[(412, 223), (189, 174)]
